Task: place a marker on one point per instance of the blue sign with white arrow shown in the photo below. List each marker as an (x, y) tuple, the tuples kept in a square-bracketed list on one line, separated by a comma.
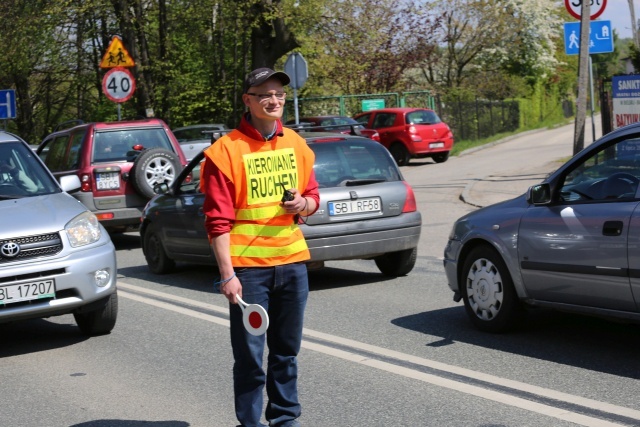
[(600, 37), (7, 104)]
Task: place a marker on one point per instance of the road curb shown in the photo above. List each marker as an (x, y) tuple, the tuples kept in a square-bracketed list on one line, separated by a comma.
[(465, 196)]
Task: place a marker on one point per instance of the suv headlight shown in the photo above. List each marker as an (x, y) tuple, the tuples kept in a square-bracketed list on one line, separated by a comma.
[(83, 230)]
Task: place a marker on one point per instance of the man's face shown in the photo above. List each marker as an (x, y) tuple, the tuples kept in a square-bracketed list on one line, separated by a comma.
[(263, 101)]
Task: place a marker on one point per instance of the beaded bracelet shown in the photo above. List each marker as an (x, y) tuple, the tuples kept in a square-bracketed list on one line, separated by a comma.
[(225, 281)]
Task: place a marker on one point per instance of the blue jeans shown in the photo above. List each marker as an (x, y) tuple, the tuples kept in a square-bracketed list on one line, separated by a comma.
[(282, 291)]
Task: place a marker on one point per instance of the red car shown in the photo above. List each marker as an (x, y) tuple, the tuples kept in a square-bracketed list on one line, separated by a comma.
[(410, 133)]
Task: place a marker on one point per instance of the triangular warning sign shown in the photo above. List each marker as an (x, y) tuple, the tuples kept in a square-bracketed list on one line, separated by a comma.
[(116, 55)]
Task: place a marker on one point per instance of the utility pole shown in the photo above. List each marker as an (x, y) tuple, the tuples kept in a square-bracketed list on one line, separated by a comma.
[(583, 77), (634, 24)]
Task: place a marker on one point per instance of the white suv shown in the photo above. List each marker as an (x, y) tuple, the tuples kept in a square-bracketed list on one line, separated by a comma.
[(55, 257)]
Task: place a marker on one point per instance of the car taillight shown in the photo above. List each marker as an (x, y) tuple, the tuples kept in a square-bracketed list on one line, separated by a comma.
[(413, 134), (85, 180), (410, 201)]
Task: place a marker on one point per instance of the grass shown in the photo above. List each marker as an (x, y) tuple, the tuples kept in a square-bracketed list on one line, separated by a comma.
[(461, 146)]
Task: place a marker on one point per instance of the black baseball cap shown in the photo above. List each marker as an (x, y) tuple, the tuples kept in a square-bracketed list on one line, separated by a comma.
[(261, 75)]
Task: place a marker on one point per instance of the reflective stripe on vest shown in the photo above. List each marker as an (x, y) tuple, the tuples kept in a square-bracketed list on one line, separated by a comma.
[(268, 251), (253, 214)]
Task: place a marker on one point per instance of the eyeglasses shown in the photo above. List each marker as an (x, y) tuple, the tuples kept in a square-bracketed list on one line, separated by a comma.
[(267, 96)]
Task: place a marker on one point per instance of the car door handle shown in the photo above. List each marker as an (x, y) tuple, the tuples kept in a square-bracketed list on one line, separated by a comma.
[(612, 228)]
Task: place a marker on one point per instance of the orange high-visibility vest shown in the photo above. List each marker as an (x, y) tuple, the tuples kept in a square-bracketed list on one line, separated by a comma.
[(263, 234)]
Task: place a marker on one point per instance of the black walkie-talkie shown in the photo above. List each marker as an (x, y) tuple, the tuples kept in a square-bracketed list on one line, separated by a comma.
[(287, 196)]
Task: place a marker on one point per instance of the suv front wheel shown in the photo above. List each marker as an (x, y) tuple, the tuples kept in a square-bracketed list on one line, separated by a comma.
[(99, 320), (152, 167)]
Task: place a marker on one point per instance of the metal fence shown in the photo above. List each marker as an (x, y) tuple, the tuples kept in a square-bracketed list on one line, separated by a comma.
[(350, 105), (478, 119), (469, 119)]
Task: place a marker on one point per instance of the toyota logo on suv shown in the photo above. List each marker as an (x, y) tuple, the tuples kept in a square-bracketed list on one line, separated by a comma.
[(10, 249)]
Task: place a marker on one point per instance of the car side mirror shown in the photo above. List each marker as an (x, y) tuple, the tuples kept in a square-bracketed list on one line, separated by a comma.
[(70, 183), (539, 194)]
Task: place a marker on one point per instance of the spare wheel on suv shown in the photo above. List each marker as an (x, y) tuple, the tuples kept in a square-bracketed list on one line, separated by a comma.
[(152, 167)]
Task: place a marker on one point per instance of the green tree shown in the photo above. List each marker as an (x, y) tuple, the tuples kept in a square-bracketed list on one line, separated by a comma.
[(494, 37), (367, 46)]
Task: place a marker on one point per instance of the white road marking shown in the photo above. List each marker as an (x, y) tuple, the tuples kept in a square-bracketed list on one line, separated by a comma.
[(477, 391)]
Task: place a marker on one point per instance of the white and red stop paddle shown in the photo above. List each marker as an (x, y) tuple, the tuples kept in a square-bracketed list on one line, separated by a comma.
[(254, 317)]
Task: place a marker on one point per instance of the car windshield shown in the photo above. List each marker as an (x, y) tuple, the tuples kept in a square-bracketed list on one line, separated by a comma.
[(119, 145), (422, 117), (21, 175), (352, 161)]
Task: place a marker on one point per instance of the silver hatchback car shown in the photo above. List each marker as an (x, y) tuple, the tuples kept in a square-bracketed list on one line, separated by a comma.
[(55, 257), (572, 243), (367, 211)]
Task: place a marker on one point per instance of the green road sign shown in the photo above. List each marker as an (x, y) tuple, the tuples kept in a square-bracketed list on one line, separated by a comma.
[(372, 104)]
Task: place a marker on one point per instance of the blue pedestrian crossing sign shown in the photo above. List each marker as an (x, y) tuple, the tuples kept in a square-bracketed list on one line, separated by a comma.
[(600, 37), (7, 104)]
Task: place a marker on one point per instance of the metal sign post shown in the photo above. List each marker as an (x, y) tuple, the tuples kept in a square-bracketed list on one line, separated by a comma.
[(296, 68)]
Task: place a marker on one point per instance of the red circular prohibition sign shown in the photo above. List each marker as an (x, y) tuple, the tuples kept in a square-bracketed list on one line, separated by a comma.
[(574, 7), (118, 84)]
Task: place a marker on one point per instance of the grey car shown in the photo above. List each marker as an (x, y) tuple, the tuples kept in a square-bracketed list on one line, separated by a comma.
[(195, 138), (367, 211), (572, 243), (55, 257)]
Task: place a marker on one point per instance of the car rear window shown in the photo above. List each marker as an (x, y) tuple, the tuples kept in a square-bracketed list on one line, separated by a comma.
[(422, 117), (119, 145), (336, 162), (195, 134)]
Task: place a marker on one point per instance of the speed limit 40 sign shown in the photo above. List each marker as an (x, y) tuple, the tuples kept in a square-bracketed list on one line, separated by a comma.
[(118, 84), (596, 7)]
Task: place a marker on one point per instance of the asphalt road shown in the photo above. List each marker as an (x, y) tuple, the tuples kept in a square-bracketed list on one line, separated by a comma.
[(376, 351)]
